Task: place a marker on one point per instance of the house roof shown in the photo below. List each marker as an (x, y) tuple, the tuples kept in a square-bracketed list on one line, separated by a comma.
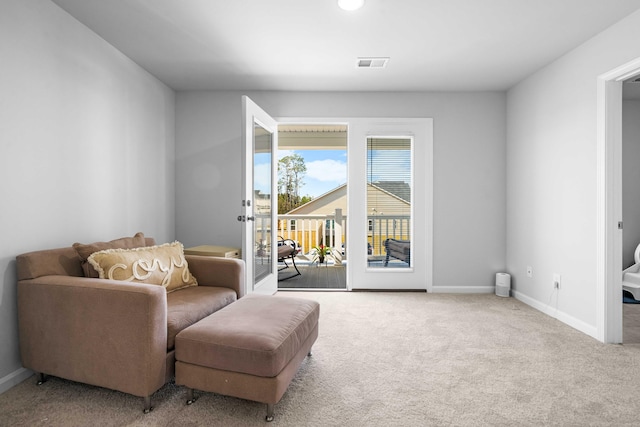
[(466, 45), (399, 189), (326, 203), (322, 200)]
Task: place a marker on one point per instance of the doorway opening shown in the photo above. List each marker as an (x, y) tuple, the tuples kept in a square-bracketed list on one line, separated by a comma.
[(631, 210), (312, 205), (609, 202)]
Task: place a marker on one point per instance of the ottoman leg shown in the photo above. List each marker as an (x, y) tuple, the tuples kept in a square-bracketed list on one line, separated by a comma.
[(269, 417)]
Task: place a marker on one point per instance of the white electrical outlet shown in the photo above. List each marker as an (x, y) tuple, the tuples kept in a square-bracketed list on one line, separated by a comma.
[(557, 280), (529, 271)]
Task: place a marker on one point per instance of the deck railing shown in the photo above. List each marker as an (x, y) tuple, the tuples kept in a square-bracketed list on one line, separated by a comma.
[(383, 227), (310, 231)]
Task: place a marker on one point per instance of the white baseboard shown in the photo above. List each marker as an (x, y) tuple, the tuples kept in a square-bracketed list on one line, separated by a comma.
[(581, 326), (463, 289), (14, 378), (563, 317)]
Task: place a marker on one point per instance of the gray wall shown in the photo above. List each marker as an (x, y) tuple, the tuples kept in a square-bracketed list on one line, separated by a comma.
[(552, 176), (469, 168), (630, 179), (86, 147)]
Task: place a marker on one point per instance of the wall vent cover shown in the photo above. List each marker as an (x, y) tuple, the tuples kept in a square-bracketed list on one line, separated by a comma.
[(377, 62)]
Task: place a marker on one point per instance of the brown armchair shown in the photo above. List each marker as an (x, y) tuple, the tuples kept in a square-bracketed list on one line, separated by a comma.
[(114, 334)]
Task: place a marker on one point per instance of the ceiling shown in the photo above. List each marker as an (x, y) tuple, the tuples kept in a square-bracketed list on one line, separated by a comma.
[(312, 45)]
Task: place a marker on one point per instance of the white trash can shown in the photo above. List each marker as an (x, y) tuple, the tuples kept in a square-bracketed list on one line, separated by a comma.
[(503, 284)]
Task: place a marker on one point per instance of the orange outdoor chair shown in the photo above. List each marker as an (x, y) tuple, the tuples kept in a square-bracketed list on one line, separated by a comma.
[(287, 248)]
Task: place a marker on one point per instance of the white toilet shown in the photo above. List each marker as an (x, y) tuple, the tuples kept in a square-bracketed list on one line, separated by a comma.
[(631, 276)]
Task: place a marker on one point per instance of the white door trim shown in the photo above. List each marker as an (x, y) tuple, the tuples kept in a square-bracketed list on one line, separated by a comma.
[(609, 202), (420, 275)]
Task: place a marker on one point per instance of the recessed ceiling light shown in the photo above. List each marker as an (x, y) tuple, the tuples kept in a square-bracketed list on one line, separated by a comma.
[(350, 4)]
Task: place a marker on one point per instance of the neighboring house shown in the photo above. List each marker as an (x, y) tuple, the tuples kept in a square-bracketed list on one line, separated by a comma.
[(389, 214), (326, 204), (307, 224), (388, 206)]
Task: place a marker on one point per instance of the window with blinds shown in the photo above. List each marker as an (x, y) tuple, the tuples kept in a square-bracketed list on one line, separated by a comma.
[(389, 193)]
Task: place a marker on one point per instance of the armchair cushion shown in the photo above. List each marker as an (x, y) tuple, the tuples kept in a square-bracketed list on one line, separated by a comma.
[(192, 304), (163, 265)]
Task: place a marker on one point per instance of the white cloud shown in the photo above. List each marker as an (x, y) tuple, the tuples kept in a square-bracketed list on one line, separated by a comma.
[(285, 153), (327, 171)]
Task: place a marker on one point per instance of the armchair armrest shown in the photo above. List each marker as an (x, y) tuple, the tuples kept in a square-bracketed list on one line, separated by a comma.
[(216, 271), (107, 333)]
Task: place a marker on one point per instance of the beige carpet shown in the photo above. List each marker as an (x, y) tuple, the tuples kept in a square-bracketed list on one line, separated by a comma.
[(394, 359)]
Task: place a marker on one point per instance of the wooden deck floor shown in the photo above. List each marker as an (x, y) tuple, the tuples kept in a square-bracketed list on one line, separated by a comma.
[(314, 277)]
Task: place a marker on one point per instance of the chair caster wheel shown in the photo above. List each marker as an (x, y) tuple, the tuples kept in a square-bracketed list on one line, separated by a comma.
[(40, 378), (191, 396), (268, 418), (147, 405)]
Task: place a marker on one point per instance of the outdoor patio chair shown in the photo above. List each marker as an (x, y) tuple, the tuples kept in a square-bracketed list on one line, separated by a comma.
[(398, 249), (287, 248)]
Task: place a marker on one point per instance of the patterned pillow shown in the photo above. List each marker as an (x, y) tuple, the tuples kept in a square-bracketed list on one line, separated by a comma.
[(163, 265)]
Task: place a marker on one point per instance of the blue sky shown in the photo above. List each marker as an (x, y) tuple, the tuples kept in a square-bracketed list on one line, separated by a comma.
[(326, 170)]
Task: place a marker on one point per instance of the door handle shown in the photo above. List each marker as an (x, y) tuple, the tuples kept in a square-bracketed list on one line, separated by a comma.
[(251, 218)]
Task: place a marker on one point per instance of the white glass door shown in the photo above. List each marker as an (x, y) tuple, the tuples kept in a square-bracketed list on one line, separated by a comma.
[(390, 204), (259, 200)]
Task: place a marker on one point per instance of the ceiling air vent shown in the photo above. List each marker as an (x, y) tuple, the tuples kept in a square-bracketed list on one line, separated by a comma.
[(372, 62)]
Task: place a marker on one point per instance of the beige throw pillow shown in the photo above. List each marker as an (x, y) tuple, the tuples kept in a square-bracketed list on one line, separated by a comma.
[(163, 265)]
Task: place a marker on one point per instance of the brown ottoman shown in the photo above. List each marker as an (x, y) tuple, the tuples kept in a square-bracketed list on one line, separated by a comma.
[(250, 349)]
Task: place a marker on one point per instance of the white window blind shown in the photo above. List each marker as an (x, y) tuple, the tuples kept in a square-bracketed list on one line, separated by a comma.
[(389, 191)]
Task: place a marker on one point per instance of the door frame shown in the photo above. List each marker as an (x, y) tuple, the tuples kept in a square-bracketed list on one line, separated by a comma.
[(609, 202), (363, 126), (419, 276)]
